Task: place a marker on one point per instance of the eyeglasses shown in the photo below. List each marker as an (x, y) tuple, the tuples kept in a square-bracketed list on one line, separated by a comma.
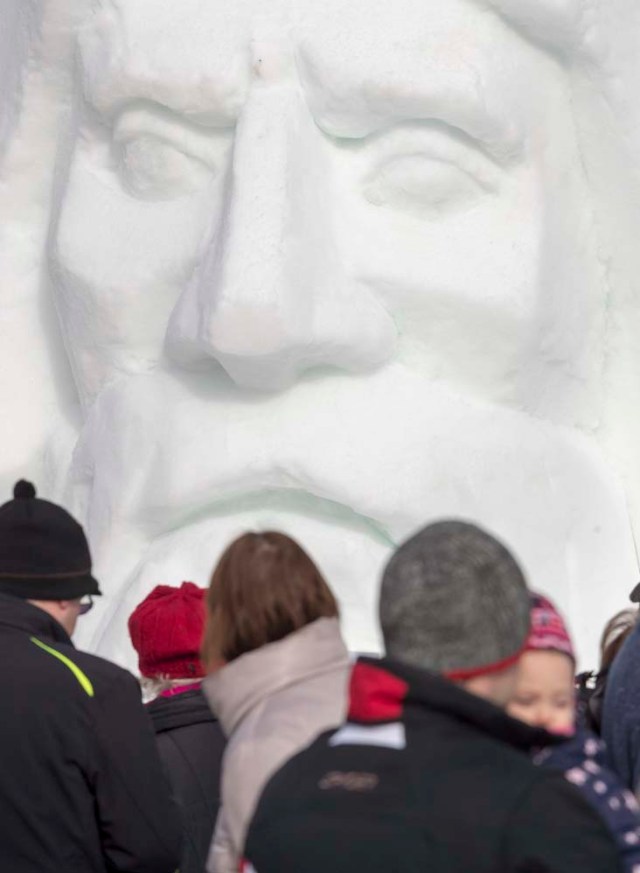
[(86, 604)]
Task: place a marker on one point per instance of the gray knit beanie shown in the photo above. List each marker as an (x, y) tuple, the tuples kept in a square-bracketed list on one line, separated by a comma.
[(454, 600)]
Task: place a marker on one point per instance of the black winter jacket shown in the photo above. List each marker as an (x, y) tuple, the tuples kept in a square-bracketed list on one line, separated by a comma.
[(424, 777), (81, 785), (191, 743)]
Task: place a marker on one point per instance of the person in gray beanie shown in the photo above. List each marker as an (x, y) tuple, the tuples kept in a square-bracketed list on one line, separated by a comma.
[(429, 772), (454, 600)]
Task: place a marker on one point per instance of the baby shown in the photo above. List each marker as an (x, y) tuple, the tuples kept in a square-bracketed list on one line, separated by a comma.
[(545, 697)]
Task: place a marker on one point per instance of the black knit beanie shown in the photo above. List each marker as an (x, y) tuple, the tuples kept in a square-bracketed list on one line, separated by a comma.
[(44, 554)]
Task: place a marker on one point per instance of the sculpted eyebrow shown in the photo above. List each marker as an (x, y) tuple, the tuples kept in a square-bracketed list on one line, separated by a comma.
[(357, 109), (134, 98), (501, 139), (111, 90)]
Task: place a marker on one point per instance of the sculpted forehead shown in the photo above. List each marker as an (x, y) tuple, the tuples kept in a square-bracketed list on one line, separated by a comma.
[(362, 63), (189, 55)]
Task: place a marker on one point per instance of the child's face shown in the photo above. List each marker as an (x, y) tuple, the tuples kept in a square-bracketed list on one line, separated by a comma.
[(544, 694)]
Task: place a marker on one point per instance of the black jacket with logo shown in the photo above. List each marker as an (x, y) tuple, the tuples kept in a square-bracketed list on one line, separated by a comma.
[(191, 744), (81, 785), (424, 777)]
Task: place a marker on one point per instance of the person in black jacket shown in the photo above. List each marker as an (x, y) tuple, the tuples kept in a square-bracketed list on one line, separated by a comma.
[(621, 713), (429, 772), (166, 631), (81, 786)]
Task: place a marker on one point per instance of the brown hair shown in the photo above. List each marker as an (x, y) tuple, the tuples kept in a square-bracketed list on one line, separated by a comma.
[(264, 587), (614, 635)]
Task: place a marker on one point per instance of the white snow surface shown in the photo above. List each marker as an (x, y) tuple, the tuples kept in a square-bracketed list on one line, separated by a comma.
[(339, 269)]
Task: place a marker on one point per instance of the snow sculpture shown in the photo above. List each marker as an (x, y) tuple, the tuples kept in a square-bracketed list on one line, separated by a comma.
[(334, 268)]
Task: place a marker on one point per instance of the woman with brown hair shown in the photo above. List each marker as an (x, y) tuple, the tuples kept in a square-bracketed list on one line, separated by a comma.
[(615, 634), (278, 671)]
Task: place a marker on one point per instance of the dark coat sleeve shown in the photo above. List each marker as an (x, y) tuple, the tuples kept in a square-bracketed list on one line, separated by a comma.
[(554, 830), (621, 713), (138, 822)]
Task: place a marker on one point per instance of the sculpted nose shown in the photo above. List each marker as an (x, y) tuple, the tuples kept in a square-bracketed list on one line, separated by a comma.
[(272, 297)]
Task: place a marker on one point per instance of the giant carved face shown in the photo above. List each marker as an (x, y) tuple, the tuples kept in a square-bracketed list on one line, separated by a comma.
[(332, 268)]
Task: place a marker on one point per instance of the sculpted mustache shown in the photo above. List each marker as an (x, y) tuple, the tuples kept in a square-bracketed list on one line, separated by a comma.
[(156, 453), (175, 486)]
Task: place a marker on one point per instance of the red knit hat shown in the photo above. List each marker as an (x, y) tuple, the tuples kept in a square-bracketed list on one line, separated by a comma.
[(166, 631), (548, 630)]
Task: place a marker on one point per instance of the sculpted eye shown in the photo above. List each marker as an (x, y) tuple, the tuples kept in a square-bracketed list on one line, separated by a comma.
[(162, 156), (153, 169), (422, 184)]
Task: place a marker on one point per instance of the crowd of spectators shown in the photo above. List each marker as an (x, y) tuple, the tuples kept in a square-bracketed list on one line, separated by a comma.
[(254, 741)]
